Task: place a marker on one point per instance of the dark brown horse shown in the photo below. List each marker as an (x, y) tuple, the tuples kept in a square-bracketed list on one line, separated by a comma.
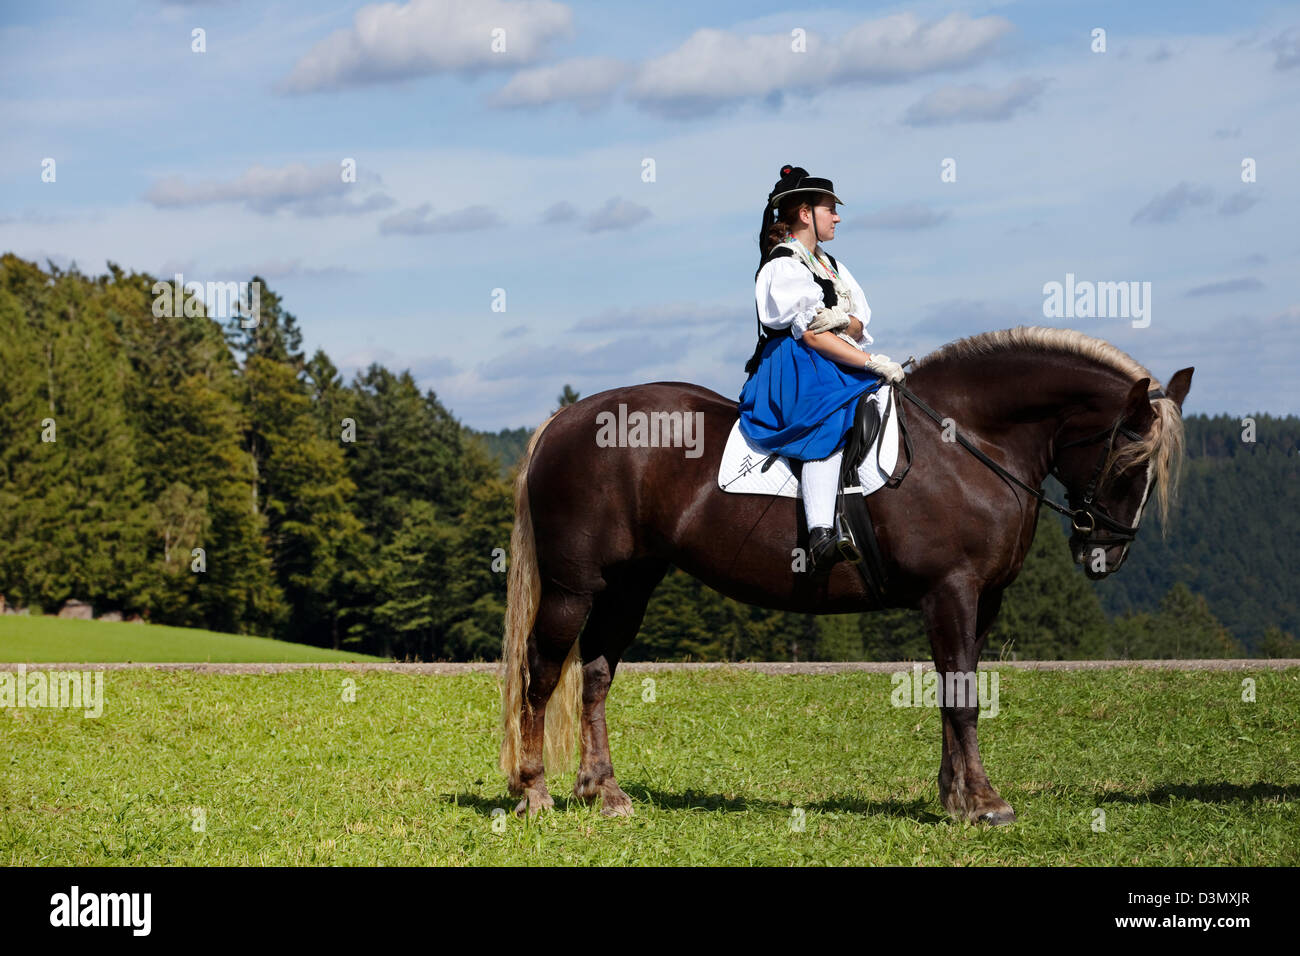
[(596, 528)]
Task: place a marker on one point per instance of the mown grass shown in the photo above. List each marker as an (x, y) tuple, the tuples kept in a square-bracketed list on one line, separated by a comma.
[(51, 640), (719, 766)]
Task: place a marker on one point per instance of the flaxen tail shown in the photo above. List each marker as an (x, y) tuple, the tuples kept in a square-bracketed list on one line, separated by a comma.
[(524, 591)]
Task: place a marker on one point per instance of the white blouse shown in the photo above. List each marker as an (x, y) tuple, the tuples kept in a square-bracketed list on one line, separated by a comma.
[(788, 297)]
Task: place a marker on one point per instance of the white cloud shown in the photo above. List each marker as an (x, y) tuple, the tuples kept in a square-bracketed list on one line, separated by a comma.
[(389, 41), (1170, 205), (958, 104), (1244, 284), (1237, 203), (586, 82), (419, 222), (901, 46), (617, 213), (714, 68), (279, 268), (562, 211), (307, 192), (1287, 47)]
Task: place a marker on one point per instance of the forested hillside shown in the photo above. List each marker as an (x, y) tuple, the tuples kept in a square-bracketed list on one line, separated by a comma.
[(1234, 536), (203, 474)]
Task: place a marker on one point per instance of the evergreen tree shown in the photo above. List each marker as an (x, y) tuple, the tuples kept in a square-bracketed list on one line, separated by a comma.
[(476, 571), (895, 634), (839, 637), (305, 493), (1276, 643), (1184, 629), (332, 401), (408, 448), (409, 615), (567, 396), (74, 506), (189, 429)]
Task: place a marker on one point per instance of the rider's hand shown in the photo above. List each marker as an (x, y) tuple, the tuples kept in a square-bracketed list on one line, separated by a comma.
[(887, 369)]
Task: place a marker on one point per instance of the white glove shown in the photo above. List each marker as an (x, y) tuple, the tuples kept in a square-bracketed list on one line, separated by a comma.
[(829, 320), (885, 367)]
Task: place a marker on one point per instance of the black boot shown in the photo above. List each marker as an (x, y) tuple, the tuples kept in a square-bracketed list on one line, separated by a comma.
[(823, 549)]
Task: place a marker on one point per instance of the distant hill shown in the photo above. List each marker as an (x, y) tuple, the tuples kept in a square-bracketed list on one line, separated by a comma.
[(1234, 531), (505, 447)]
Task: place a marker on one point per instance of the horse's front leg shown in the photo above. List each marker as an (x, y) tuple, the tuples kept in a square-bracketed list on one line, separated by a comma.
[(958, 625)]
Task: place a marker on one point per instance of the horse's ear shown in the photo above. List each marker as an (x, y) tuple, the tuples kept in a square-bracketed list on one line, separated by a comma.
[(1179, 385), (1137, 406)]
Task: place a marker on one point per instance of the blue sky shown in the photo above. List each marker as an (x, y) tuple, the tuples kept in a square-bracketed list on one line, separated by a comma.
[(521, 170)]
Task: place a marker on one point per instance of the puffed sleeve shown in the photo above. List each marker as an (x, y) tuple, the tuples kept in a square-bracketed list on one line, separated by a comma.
[(787, 296), (859, 304)]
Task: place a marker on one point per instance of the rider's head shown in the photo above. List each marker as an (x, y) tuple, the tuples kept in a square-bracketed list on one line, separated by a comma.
[(799, 204)]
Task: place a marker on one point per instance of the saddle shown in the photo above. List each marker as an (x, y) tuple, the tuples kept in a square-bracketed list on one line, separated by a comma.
[(852, 515)]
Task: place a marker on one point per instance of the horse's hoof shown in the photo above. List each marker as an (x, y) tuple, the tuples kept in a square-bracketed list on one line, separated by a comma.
[(996, 818), (586, 789), (534, 803), (616, 805)]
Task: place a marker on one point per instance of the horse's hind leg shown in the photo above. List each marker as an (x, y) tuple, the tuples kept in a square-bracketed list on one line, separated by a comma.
[(615, 619), (559, 620)]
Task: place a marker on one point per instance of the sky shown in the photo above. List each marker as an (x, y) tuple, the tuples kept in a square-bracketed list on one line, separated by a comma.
[(570, 193)]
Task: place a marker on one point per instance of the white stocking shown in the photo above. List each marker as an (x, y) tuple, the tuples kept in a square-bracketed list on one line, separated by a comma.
[(819, 484)]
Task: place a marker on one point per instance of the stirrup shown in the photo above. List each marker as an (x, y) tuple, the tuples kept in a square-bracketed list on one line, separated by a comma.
[(845, 541)]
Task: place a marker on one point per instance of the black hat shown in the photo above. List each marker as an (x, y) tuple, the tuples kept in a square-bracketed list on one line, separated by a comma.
[(795, 179)]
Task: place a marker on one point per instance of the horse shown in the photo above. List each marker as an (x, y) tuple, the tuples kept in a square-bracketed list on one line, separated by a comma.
[(597, 527)]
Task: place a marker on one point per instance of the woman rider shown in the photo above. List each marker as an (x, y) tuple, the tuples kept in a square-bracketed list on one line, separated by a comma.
[(811, 363)]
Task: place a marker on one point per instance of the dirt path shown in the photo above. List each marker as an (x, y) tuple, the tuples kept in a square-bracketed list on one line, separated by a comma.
[(871, 667)]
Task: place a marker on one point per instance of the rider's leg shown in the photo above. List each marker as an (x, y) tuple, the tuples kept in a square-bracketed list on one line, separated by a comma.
[(821, 482)]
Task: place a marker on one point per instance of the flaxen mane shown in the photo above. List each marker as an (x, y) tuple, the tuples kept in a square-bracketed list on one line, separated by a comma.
[(1163, 444)]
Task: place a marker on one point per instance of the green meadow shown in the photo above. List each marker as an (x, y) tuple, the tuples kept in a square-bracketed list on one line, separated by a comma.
[(49, 640), (1122, 767)]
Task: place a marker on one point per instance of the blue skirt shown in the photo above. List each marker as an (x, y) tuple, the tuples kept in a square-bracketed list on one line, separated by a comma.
[(798, 403)]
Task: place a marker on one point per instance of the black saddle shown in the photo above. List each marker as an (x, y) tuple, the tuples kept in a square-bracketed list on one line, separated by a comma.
[(862, 435)]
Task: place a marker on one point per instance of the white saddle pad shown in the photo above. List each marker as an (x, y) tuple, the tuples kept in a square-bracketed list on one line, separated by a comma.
[(741, 461)]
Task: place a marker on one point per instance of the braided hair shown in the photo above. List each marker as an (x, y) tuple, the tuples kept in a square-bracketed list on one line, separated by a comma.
[(778, 223)]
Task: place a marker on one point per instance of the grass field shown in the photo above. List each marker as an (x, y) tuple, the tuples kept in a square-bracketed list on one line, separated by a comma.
[(721, 766), (51, 639)]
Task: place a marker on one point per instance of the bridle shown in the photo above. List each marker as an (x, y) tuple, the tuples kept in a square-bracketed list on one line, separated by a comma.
[(1081, 507), (1084, 506)]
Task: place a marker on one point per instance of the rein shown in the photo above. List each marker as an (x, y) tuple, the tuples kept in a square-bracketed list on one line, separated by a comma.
[(1088, 509)]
